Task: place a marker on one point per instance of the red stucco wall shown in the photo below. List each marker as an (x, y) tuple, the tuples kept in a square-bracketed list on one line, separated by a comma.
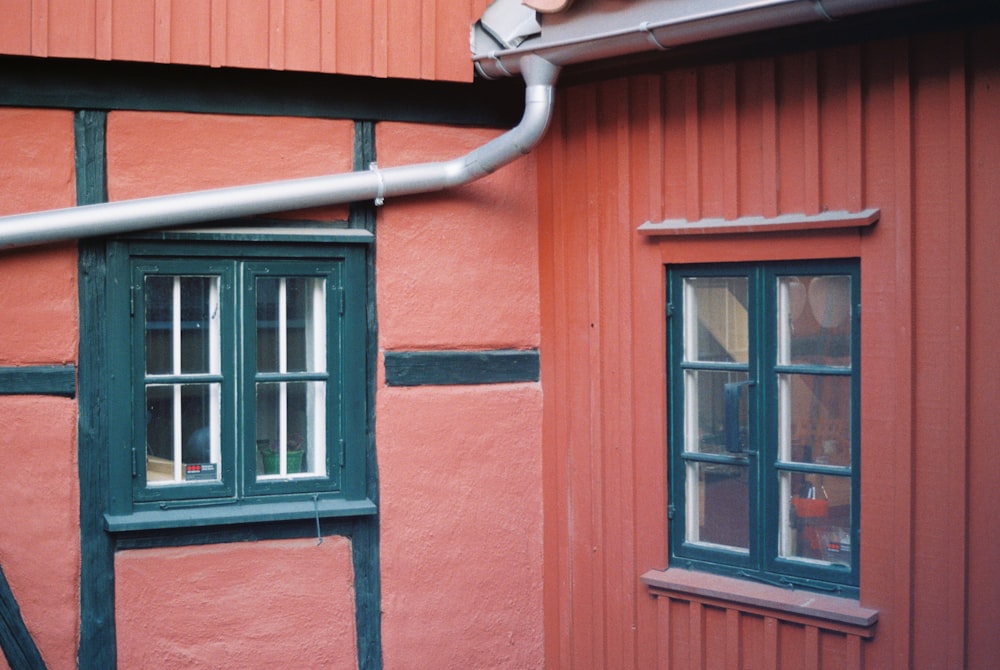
[(39, 494), (40, 533), (38, 286), (162, 153), (459, 467), (273, 604)]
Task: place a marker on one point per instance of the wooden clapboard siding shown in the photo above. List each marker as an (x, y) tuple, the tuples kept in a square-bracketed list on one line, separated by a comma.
[(907, 125), (425, 39)]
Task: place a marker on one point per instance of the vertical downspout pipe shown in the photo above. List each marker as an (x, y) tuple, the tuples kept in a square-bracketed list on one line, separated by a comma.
[(241, 201)]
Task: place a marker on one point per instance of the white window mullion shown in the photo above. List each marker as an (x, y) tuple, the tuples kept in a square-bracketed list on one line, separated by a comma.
[(282, 368), (215, 367), (175, 342)]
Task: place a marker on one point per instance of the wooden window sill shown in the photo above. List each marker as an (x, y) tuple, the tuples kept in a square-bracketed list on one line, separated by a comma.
[(829, 612)]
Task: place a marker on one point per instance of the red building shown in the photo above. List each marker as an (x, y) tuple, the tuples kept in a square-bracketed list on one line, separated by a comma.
[(690, 368)]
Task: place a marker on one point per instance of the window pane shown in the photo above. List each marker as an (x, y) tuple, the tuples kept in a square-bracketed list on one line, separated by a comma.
[(705, 411), (715, 319), (815, 518), (291, 428), (814, 418), (814, 324), (181, 324), (717, 505), (182, 433), (291, 324)]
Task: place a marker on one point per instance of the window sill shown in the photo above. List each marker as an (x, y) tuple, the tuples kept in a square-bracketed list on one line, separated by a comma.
[(193, 515), (842, 614)]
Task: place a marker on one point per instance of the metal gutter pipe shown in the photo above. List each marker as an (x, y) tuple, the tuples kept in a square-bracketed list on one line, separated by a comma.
[(241, 201), (612, 28)]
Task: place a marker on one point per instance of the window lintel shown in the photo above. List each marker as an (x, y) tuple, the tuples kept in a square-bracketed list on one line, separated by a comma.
[(782, 223)]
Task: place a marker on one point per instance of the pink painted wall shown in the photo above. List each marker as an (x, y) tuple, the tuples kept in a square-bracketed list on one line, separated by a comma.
[(273, 604), (39, 494), (40, 533), (458, 270), (459, 467), (164, 152), (38, 291)]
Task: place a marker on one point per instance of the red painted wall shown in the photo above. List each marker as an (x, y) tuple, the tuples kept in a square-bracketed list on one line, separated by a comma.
[(908, 126), (459, 467)]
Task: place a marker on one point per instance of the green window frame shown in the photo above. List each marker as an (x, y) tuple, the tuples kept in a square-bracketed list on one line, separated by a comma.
[(238, 380), (764, 421)]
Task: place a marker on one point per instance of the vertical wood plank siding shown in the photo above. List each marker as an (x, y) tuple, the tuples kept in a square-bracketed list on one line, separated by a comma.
[(907, 125), (412, 39)]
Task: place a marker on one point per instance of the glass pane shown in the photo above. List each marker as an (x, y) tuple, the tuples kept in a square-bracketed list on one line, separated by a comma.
[(705, 410), (291, 324), (814, 419), (181, 324), (717, 505), (715, 319), (267, 324), (199, 313), (182, 433), (814, 323), (159, 325), (291, 428), (815, 518)]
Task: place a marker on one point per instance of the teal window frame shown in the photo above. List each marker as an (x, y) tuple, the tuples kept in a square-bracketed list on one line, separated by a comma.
[(756, 436), (338, 488)]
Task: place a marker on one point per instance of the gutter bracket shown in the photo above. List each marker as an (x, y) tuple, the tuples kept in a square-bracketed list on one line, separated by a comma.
[(646, 28), (380, 186)]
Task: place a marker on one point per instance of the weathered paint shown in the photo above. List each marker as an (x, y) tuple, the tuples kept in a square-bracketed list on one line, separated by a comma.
[(387, 38), (269, 604), (153, 153), (901, 125), (40, 537)]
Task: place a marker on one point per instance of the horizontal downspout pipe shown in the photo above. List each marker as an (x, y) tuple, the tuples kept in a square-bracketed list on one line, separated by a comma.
[(709, 21), (241, 201)]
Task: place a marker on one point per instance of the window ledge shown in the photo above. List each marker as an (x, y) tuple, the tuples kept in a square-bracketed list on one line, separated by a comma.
[(842, 614), (190, 516), (760, 224)]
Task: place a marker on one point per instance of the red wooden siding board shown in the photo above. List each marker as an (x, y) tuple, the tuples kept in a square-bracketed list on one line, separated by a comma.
[(428, 39), (984, 383), (900, 125)]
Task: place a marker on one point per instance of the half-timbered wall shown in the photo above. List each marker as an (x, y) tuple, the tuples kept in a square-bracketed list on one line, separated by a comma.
[(907, 126)]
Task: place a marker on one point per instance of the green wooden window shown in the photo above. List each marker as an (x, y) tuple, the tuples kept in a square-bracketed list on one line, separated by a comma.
[(239, 383), (764, 409)]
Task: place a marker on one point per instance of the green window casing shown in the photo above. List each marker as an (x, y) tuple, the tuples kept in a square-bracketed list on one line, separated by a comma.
[(238, 387), (764, 421)]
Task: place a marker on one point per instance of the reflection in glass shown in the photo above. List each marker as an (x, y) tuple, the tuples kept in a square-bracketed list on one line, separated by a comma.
[(291, 322), (717, 505), (291, 428), (715, 321), (814, 325), (814, 415), (815, 518), (705, 411), (181, 324), (182, 431)]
